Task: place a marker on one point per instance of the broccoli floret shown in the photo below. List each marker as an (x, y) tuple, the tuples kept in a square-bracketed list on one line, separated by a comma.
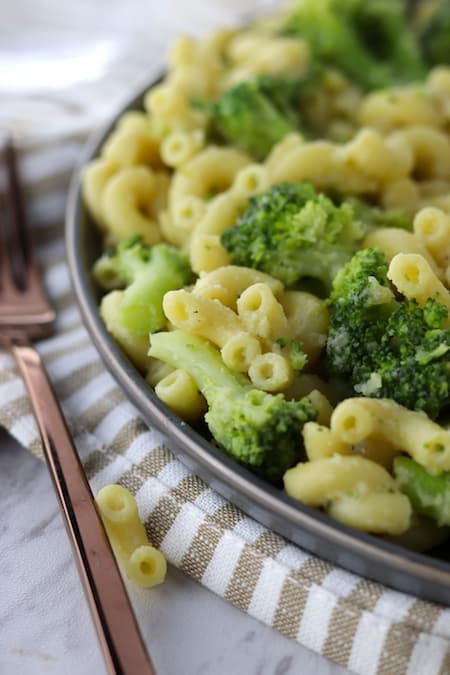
[(147, 273), (435, 34), (374, 216), (371, 42), (387, 346), (255, 114), (292, 232), (260, 430)]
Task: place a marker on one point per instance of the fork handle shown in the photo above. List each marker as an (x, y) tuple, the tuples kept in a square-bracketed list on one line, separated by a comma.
[(116, 626)]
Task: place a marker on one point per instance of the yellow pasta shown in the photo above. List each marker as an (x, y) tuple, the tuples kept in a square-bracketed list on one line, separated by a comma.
[(202, 316), (179, 391), (353, 489), (142, 563), (430, 149), (133, 143), (261, 313), (307, 317), (180, 146), (207, 253), (399, 107), (378, 158), (356, 419), (227, 283), (129, 202), (413, 277), (95, 177), (271, 372), (240, 350), (384, 513), (211, 171), (392, 241), (432, 228), (320, 442)]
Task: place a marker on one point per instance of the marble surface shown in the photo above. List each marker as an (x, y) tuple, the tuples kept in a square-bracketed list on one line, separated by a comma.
[(45, 627)]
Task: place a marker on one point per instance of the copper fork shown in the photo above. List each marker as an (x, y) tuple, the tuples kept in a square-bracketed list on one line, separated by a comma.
[(25, 315)]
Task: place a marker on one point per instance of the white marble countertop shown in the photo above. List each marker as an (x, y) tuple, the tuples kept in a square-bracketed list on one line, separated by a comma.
[(45, 627)]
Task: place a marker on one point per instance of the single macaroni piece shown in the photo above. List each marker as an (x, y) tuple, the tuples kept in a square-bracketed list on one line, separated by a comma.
[(206, 253), (134, 346), (170, 109), (322, 405), (133, 143), (180, 146), (211, 171), (240, 351), (392, 241), (229, 282), (179, 391), (262, 314), (403, 193), (357, 419), (385, 513), (379, 158), (320, 442), (271, 372), (94, 179), (267, 56), (399, 107), (353, 490), (143, 564), (250, 180), (221, 213), (324, 164), (202, 316), (432, 228), (188, 212), (308, 318), (413, 277), (430, 149), (130, 203)]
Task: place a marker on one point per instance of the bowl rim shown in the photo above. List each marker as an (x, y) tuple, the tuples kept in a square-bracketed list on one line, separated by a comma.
[(364, 554)]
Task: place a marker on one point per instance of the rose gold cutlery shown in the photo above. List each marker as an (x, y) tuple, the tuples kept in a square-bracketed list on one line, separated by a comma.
[(25, 315)]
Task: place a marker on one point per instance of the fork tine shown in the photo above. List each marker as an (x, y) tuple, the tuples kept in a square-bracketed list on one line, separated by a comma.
[(20, 243), (7, 280)]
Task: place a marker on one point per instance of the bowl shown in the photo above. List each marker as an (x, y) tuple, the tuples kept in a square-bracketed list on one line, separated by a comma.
[(424, 575)]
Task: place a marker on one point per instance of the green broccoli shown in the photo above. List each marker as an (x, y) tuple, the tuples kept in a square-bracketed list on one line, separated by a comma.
[(387, 346), (429, 494), (371, 42), (435, 33), (255, 114), (147, 272), (374, 216), (260, 430), (292, 232)]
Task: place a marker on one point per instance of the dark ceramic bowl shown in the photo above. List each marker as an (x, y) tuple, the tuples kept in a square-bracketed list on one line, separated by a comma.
[(427, 576)]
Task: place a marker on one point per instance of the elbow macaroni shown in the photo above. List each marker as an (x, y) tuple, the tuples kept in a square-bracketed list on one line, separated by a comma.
[(142, 563)]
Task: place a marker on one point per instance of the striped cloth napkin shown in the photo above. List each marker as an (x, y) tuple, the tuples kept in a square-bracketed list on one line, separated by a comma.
[(357, 623)]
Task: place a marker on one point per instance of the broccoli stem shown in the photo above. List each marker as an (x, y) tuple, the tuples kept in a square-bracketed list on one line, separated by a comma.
[(429, 494), (141, 309), (147, 274), (203, 362)]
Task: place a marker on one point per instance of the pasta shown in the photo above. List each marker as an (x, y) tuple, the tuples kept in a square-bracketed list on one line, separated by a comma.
[(241, 120), (143, 564), (354, 420)]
